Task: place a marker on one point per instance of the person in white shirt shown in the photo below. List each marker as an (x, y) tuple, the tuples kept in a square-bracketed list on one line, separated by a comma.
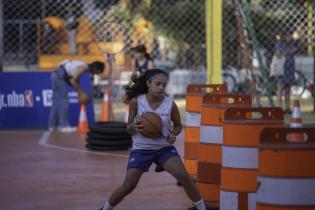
[(147, 94), (67, 74)]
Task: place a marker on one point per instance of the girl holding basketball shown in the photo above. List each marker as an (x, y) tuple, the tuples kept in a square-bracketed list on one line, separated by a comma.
[(147, 94)]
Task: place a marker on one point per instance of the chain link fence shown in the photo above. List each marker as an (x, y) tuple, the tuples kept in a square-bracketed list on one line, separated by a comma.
[(40, 33), (37, 30), (272, 20)]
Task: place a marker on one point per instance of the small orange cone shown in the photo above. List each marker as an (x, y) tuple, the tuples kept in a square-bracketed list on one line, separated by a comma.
[(105, 116), (296, 122), (83, 124), (296, 119)]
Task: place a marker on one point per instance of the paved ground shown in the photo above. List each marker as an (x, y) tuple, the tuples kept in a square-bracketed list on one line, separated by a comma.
[(53, 171)]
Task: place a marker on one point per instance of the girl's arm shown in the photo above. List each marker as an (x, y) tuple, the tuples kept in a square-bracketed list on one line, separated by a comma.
[(150, 64), (133, 65), (134, 74), (75, 80), (177, 124), (133, 124), (175, 117)]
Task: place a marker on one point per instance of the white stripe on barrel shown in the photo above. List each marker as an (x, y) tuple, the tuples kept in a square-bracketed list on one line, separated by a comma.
[(211, 134), (193, 119), (285, 191), (239, 157), (229, 200)]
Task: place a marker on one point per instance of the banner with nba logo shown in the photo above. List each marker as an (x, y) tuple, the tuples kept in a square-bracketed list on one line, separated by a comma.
[(25, 100)]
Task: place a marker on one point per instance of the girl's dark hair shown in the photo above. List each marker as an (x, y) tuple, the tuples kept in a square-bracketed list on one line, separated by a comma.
[(139, 85), (142, 49), (96, 66)]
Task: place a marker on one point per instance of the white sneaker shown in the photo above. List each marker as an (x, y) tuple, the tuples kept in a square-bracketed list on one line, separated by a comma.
[(52, 129), (67, 129)]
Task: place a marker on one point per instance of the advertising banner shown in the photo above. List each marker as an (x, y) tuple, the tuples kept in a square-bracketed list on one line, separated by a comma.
[(25, 100)]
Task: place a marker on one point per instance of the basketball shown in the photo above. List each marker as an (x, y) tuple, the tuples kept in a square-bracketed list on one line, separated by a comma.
[(84, 98), (152, 125)]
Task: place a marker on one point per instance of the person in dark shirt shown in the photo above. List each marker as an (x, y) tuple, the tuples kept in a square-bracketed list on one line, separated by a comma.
[(287, 47), (141, 62)]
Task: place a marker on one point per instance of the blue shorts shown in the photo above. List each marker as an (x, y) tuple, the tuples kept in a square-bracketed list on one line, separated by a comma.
[(142, 159)]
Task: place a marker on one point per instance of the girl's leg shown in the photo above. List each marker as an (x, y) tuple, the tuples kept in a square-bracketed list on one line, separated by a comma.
[(253, 90), (175, 167), (279, 94), (63, 103), (131, 180), (53, 116), (64, 111), (287, 98)]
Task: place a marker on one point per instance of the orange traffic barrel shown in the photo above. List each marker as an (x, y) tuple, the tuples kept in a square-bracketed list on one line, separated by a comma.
[(211, 139), (194, 95), (286, 170), (242, 128), (193, 108)]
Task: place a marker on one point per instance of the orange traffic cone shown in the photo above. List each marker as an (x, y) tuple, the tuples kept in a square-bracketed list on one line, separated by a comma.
[(105, 116), (83, 124), (296, 119), (296, 122)]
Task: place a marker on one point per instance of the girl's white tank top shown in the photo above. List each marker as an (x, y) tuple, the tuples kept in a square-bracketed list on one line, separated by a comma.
[(164, 111)]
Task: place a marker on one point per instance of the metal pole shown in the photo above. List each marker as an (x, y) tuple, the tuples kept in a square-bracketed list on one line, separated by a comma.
[(1, 36), (313, 78), (43, 9), (262, 66), (111, 61), (313, 59), (310, 14), (214, 40)]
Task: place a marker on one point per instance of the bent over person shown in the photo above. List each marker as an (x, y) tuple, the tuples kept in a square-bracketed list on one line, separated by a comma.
[(67, 74)]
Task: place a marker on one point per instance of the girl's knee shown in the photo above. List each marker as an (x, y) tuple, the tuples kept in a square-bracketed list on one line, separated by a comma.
[(183, 178), (128, 187)]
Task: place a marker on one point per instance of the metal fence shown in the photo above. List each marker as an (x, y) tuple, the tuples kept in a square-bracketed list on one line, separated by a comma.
[(250, 34), (271, 18), (172, 30)]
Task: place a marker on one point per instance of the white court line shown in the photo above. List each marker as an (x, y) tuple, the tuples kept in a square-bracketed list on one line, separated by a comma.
[(44, 138), (20, 131)]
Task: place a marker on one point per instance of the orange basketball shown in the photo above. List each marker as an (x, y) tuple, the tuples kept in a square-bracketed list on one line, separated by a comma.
[(152, 125), (84, 98)]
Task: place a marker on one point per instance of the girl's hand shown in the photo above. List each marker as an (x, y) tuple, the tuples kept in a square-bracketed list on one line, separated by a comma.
[(137, 127), (171, 139)]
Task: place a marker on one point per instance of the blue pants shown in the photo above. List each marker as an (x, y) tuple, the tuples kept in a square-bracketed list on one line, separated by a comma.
[(59, 116)]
